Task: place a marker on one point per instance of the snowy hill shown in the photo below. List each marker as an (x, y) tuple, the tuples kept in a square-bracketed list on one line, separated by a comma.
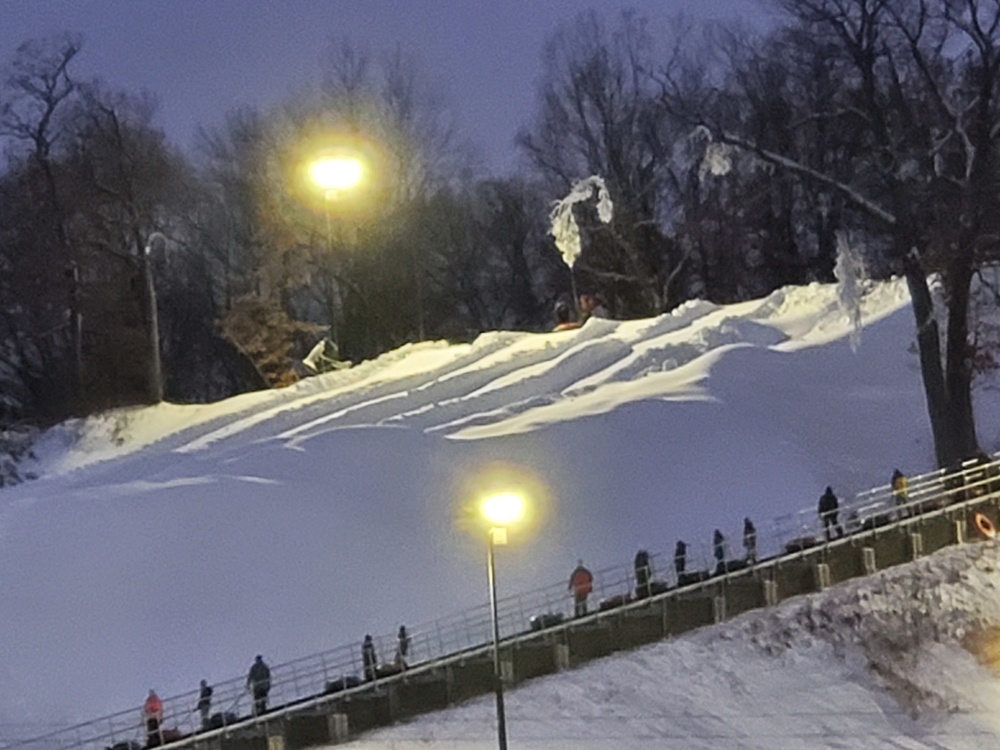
[(167, 544)]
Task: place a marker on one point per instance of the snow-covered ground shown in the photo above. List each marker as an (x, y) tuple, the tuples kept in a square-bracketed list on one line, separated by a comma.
[(167, 544), (875, 663)]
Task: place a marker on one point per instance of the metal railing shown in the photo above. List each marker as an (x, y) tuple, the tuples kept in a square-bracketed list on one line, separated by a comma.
[(311, 680)]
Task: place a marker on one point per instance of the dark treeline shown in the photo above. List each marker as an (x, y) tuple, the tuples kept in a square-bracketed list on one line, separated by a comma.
[(738, 161)]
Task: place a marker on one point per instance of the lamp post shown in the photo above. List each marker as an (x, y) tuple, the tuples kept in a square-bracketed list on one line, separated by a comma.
[(334, 174), (500, 510), (157, 243)]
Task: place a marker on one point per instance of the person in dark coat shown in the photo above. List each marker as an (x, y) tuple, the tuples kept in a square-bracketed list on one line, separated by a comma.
[(402, 646), (828, 508), (564, 317), (680, 557), (369, 660), (259, 684), (721, 547), (750, 541), (204, 706), (643, 574), (581, 583)]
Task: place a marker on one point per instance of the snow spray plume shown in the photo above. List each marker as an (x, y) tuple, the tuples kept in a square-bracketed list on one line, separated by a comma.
[(564, 228), (717, 158)]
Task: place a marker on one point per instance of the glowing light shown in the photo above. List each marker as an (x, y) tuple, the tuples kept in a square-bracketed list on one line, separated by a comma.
[(336, 172), (504, 508)]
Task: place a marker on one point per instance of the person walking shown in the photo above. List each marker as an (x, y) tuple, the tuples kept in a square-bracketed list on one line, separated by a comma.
[(152, 714), (581, 583), (402, 646), (750, 541), (369, 660), (259, 684), (204, 706), (900, 490), (828, 509), (680, 558), (643, 574)]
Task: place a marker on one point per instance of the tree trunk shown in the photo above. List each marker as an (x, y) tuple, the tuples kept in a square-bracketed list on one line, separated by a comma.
[(929, 347), (948, 389), (961, 429)]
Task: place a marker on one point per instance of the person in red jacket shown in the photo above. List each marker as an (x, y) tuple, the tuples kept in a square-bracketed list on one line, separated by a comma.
[(581, 583), (152, 713)]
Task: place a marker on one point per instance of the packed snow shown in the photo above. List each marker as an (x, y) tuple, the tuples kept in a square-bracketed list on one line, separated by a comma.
[(166, 544)]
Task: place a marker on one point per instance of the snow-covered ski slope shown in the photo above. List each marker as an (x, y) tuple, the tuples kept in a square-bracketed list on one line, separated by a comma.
[(167, 544)]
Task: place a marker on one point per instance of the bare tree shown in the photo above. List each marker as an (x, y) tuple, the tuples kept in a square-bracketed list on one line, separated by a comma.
[(598, 115), (918, 98), (492, 265), (88, 179), (230, 224), (42, 304)]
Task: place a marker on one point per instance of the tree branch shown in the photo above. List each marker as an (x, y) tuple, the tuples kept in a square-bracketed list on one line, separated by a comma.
[(867, 205)]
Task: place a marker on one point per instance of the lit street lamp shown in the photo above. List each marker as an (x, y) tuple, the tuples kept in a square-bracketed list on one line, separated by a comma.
[(500, 510), (336, 173), (333, 175)]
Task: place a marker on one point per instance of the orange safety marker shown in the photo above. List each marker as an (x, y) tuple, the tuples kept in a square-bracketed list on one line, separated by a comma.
[(985, 526)]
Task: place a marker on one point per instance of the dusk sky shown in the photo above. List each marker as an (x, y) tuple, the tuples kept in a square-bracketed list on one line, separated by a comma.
[(202, 58)]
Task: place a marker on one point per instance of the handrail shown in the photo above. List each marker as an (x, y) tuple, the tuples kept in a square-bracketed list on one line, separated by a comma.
[(304, 683)]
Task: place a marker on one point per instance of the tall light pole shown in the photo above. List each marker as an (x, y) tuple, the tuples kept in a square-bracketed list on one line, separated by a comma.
[(157, 243), (500, 510), (334, 174)]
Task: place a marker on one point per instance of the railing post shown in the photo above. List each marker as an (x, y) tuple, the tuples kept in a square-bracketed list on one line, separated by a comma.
[(338, 728), (868, 560), (770, 592), (719, 608), (822, 573), (561, 656)]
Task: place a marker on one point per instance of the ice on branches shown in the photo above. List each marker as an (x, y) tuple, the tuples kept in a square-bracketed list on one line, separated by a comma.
[(851, 282)]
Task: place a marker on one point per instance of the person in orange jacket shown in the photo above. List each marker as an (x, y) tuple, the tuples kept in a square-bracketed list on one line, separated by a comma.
[(152, 713), (581, 583)]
